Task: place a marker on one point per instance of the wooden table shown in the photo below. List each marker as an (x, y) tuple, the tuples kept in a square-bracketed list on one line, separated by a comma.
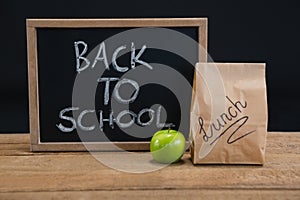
[(27, 175)]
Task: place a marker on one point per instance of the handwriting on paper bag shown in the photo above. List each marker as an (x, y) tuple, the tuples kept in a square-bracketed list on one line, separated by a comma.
[(231, 120)]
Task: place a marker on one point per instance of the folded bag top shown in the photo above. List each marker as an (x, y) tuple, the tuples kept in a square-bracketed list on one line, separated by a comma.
[(228, 114)]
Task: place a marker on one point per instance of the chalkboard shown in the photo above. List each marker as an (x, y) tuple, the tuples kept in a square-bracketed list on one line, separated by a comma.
[(105, 84)]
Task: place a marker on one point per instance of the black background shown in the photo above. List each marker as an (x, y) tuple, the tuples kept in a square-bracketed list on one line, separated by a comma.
[(240, 31)]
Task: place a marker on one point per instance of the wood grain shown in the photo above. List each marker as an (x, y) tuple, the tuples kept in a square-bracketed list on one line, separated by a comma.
[(63, 175), (158, 194), (122, 22)]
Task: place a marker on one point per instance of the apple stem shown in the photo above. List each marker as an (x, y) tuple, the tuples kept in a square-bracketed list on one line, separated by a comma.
[(169, 129)]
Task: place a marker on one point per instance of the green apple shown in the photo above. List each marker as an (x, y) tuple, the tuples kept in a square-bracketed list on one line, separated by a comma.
[(167, 146)]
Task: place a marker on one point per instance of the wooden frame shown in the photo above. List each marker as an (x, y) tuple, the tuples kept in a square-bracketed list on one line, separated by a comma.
[(34, 24)]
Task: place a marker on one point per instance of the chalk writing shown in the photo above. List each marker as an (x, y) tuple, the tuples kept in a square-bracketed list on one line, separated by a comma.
[(83, 63), (102, 56)]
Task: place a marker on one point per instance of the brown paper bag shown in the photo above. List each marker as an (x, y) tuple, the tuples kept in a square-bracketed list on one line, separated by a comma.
[(228, 113)]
